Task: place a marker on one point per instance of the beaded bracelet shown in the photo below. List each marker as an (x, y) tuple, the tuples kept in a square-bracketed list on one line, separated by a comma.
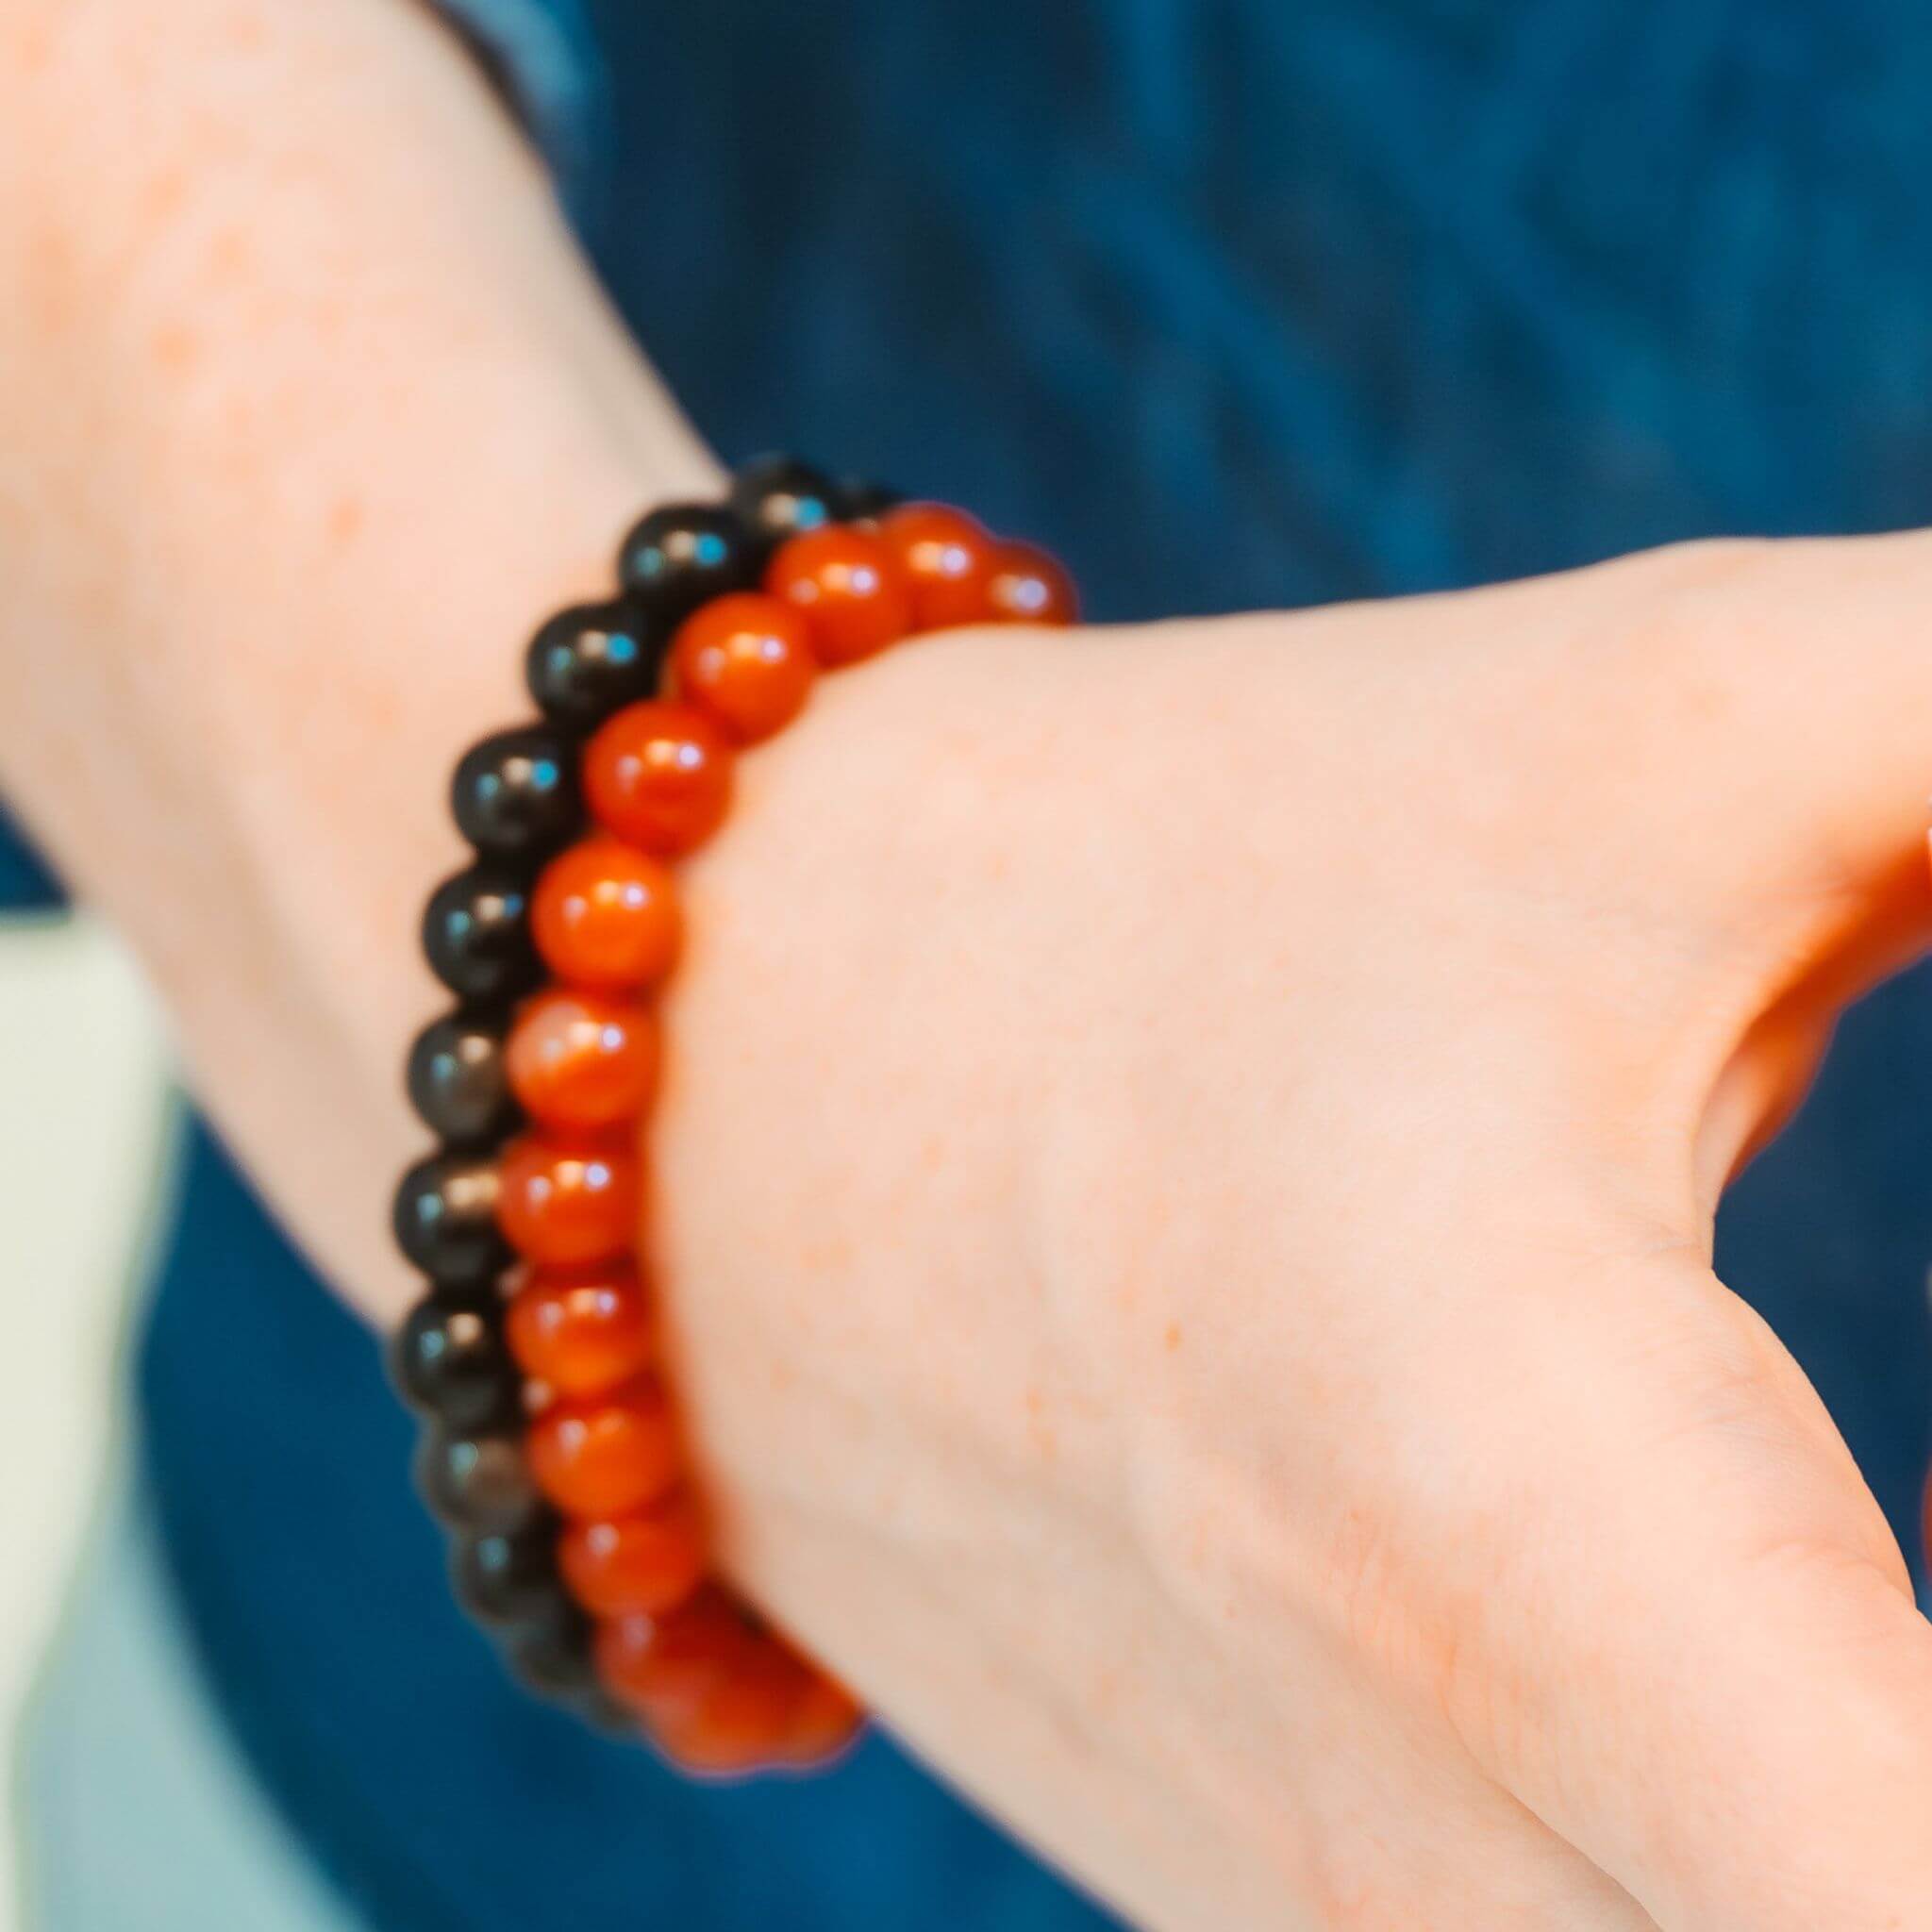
[(551, 1448)]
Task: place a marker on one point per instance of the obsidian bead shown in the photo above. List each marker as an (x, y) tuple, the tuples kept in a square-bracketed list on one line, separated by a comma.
[(445, 1219), (478, 1483), (590, 662), (854, 500), (510, 1581), (515, 794), (684, 556), (450, 1363), (777, 497), (457, 1080), (553, 1657), (476, 933)]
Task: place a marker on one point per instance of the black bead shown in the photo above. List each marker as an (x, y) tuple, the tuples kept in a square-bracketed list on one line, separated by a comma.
[(854, 500), (449, 1360), (478, 1483), (777, 497), (684, 556), (515, 794), (553, 1657), (476, 933), (510, 1580), (457, 1080), (445, 1219), (593, 660)]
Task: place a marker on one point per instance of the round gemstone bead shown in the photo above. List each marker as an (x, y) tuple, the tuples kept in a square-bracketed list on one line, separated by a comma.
[(851, 586), (478, 1483), (824, 1722), (605, 915), (450, 1362), (644, 1563), (659, 775), (582, 1334), (608, 1455), (777, 497), (582, 1061), (683, 556), (515, 794), (665, 1668), (476, 933), (947, 557), (445, 1219), (506, 1580), (456, 1081), (554, 1656), (856, 501), (746, 662), (745, 1724), (566, 1206), (1026, 586), (593, 660)]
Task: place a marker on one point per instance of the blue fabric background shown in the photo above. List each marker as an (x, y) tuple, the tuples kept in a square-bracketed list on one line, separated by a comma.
[(1234, 303)]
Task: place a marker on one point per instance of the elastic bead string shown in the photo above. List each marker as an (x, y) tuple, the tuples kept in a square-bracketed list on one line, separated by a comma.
[(551, 1449)]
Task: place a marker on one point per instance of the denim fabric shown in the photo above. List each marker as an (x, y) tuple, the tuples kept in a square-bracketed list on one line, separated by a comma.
[(1235, 305)]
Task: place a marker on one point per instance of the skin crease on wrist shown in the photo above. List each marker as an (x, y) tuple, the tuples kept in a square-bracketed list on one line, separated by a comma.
[(1185, 1168)]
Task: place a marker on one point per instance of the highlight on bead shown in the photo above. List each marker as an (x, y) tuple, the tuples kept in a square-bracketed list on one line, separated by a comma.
[(850, 585), (582, 1332), (563, 1205), (579, 1060), (747, 663), (658, 774), (605, 915)]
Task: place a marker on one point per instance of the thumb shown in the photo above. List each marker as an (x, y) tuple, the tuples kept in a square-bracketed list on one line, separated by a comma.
[(1725, 1698)]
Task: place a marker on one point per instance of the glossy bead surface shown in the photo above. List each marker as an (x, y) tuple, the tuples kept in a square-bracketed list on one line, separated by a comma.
[(849, 584), (593, 660), (450, 1362), (514, 794), (745, 1724), (1026, 586), (608, 1455), (581, 1061), (684, 554), (644, 1564), (605, 915), (777, 497), (665, 1668), (854, 500), (947, 556), (746, 662), (445, 1219), (582, 1334), (658, 774), (478, 1483), (476, 933), (509, 1579), (565, 1207), (554, 1657), (457, 1080)]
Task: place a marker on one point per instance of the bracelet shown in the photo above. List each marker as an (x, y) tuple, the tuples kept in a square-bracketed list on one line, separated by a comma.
[(551, 1447)]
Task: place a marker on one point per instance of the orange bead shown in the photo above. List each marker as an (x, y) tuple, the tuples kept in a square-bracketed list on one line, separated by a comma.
[(745, 1724), (947, 557), (1026, 586), (659, 773), (824, 1722), (849, 585), (564, 1207), (605, 915), (606, 1455), (642, 1564), (746, 661), (664, 1668), (581, 1335), (582, 1061)]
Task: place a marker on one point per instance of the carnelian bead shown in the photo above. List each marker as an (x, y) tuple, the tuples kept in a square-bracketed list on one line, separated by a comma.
[(646, 1563), (823, 1722), (849, 585), (1026, 586), (579, 1060), (562, 1207), (747, 660), (606, 1455), (580, 1335), (605, 915), (664, 1668), (745, 1723), (947, 557), (658, 774)]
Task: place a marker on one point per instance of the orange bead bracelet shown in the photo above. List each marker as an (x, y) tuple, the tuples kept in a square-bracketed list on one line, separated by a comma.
[(553, 1451)]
